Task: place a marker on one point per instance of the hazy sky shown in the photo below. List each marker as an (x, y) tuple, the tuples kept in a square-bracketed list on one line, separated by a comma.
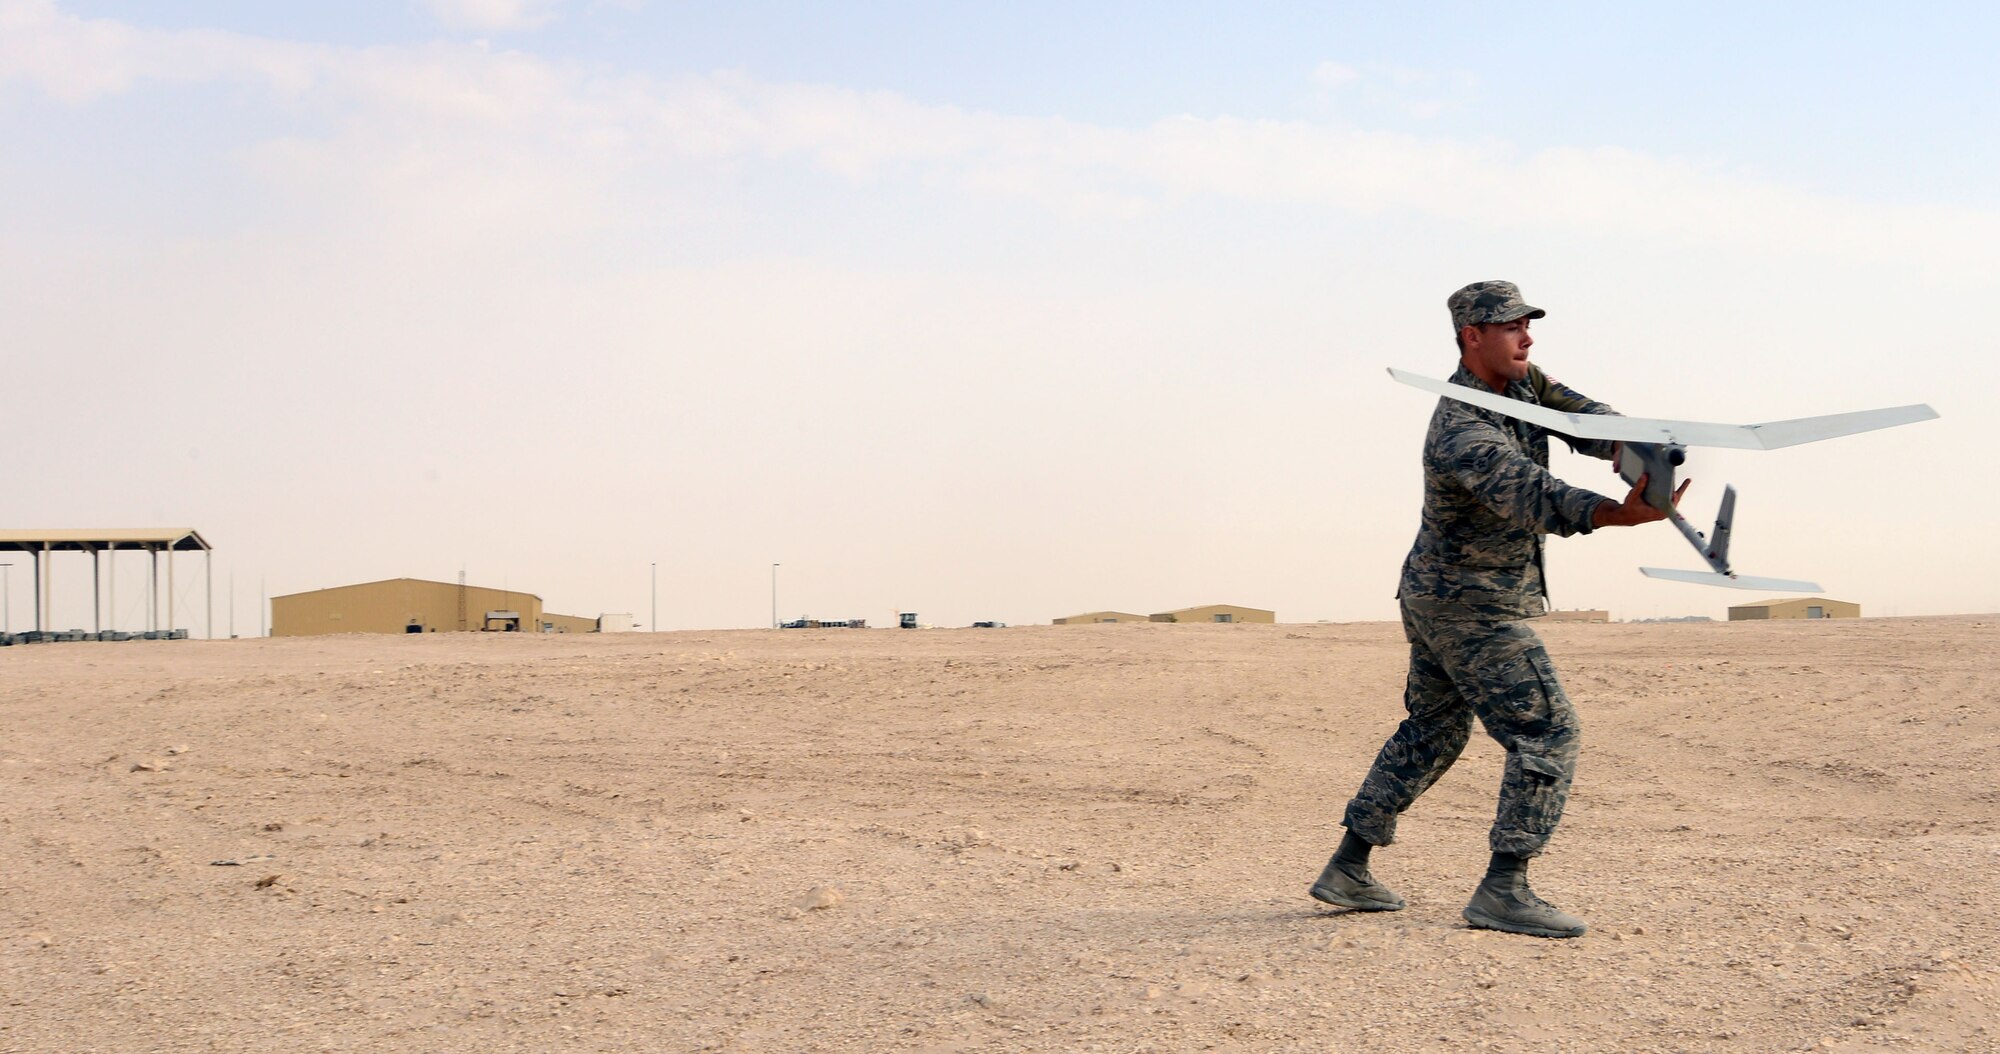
[(988, 311)]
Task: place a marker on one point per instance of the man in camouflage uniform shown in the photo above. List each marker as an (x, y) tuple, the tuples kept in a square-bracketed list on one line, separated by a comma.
[(1473, 576)]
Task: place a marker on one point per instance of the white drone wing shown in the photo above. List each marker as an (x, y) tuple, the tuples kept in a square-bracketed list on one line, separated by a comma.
[(1767, 436), (1714, 578)]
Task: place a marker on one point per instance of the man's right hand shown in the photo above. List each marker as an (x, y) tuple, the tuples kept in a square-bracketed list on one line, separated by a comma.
[(1633, 510)]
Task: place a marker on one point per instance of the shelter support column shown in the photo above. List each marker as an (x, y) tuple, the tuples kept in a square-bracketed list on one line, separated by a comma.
[(153, 590), (169, 627), (37, 554), (208, 591), (96, 593), (112, 582)]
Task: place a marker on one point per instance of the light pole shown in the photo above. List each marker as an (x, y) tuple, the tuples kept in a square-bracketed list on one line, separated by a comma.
[(774, 596), (655, 624)]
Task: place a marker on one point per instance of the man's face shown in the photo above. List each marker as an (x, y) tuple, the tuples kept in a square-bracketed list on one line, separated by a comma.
[(1498, 350)]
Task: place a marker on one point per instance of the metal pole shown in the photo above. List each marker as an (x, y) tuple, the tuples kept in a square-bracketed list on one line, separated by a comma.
[(774, 596), (38, 590), (96, 594), (48, 604), (111, 566), (169, 627), (153, 590)]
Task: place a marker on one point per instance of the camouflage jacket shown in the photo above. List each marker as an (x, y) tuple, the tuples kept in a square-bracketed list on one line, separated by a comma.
[(1488, 499)]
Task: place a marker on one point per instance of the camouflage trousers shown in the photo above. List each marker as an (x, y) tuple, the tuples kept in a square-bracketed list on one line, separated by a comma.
[(1500, 673)]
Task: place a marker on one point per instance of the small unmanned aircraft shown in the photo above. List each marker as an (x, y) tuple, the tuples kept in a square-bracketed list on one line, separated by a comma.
[(1655, 448)]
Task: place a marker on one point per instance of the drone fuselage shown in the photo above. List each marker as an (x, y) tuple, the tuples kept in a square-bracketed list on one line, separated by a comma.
[(1656, 463)]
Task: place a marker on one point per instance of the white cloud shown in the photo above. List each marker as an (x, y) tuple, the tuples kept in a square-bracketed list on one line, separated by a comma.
[(493, 16), (1334, 74), (1419, 93), (1485, 184), (401, 110), (78, 59)]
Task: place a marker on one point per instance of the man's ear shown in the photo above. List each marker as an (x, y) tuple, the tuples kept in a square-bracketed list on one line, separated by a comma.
[(1468, 338)]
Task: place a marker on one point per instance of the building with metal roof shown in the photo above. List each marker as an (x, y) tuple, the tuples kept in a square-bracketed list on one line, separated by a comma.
[(1090, 618), (416, 605), (1797, 607), (1216, 613)]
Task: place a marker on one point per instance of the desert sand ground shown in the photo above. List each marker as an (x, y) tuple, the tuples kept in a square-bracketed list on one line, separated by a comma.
[(1786, 836)]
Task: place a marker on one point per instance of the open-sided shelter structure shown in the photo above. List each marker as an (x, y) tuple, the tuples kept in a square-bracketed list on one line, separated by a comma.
[(44, 544)]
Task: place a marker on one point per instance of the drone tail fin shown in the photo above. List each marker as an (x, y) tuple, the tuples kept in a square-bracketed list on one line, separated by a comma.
[(1718, 543)]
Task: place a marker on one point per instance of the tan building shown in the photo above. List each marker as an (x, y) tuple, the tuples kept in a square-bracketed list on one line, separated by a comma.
[(1801, 607), (1092, 617), (1578, 615), (416, 605), (1216, 613), (554, 623)]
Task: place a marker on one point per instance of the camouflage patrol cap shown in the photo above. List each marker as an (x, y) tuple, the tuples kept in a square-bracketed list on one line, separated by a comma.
[(1483, 302)]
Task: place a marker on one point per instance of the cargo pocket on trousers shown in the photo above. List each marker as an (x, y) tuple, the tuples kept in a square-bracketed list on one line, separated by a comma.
[(1539, 768), (1545, 672), (1556, 707), (1542, 779), (1523, 694)]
